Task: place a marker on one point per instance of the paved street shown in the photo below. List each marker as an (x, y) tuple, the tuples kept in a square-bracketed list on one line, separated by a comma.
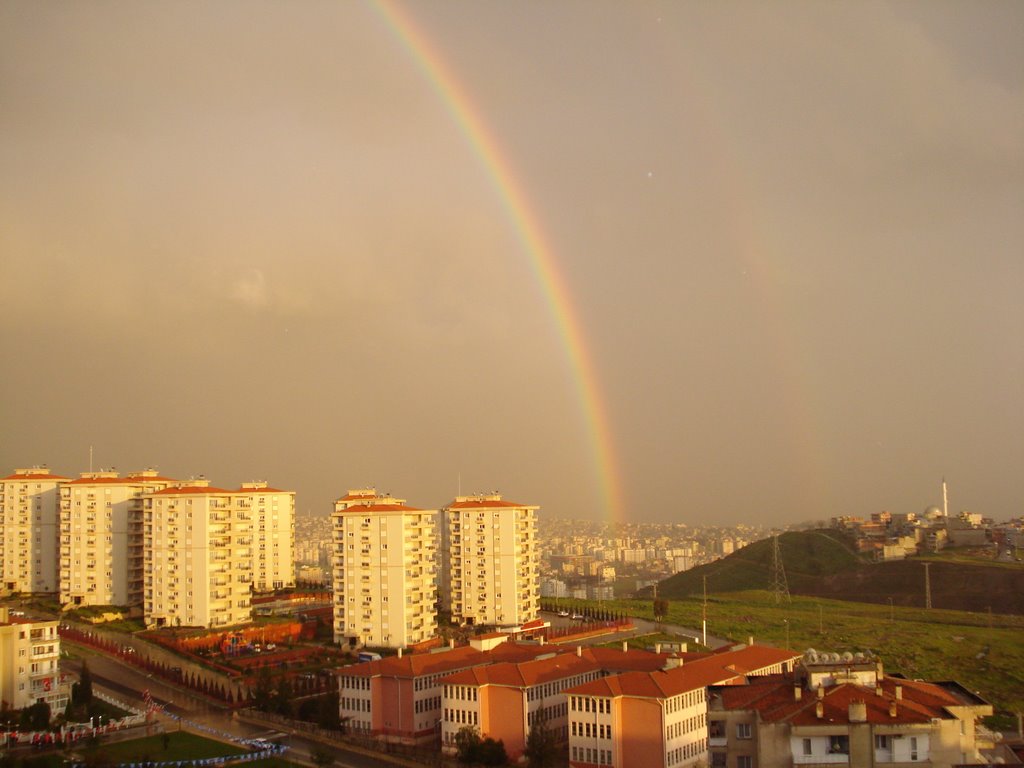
[(117, 679)]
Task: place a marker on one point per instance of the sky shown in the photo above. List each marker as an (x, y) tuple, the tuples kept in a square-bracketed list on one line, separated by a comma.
[(681, 262)]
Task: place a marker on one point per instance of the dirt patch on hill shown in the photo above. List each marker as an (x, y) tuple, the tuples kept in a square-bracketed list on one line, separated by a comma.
[(956, 586)]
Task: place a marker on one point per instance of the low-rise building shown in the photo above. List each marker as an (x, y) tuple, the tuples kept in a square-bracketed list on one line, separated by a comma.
[(658, 719), (29, 663), (843, 710)]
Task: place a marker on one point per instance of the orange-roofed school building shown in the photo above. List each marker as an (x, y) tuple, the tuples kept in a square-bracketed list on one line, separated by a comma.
[(658, 719), (399, 698), (503, 700)]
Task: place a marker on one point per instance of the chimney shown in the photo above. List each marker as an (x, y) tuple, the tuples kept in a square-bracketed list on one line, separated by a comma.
[(797, 693), (399, 653), (672, 662), (858, 712), (579, 650), (542, 639), (878, 690), (892, 709), (451, 642), (899, 693), (750, 640), (683, 647), (657, 648), (625, 645), (819, 710), (821, 692)]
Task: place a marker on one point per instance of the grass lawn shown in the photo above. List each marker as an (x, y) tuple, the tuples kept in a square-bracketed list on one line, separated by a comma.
[(181, 745)]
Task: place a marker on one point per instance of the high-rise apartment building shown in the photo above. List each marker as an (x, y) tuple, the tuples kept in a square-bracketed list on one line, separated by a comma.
[(273, 519), (491, 571), (101, 541), (29, 514), (203, 548), (384, 570)]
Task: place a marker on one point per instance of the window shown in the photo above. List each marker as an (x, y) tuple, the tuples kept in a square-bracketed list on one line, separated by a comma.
[(742, 730), (839, 745), (744, 761), (807, 746)]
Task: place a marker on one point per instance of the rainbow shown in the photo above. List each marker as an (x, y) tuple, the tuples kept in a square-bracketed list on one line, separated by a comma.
[(531, 235)]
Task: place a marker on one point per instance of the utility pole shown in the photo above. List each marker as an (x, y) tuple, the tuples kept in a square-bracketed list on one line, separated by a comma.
[(927, 587), (704, 613)]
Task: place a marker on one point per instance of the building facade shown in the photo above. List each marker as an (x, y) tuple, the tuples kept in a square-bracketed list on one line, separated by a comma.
[(384, 571), (201, 549), (29, 517), (491, 572), (843, 710), (101, 537), (29, 659)]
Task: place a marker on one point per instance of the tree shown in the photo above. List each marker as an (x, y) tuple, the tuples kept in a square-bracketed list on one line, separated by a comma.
[(491, 752), (84, 688), (660, 609), (467, 742), (541, 747), (36, 717), (472, 750)]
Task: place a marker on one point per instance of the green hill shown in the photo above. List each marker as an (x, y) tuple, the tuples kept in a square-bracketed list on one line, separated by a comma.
[(823, 563), (808, 557)]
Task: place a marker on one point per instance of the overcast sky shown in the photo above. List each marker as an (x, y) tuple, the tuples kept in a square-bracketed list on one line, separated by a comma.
[(251, 240)]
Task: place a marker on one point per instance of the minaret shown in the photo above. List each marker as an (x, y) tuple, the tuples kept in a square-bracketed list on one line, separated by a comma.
[(945, 500)]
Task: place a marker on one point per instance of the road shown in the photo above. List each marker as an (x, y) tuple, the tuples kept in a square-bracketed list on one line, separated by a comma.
[(122, 681), (641, 627)]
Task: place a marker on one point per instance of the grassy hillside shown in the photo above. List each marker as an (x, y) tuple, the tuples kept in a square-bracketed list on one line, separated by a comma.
[(808, 556), (983, 651), (824, 564)]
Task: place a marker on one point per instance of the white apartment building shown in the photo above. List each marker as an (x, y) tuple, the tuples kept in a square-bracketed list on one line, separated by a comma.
[(101, 542), (202, 550), (384, 571), (29, 514), (273, 519), (491, 571), (29, 658)]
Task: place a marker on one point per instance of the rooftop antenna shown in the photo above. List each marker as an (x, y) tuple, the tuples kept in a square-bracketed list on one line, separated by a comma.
[(780, 587)]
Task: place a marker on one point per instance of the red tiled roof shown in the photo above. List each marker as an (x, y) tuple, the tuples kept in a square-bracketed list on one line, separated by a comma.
[(524, 674), (417, 664), (190, 489), (361, 508), (486, 505), (126, 480), (36, 476), (775, 700)]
